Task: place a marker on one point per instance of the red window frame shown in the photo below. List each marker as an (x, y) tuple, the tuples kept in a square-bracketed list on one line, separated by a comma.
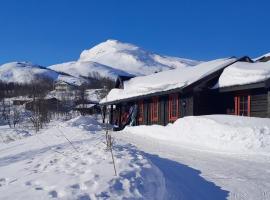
[(242, 105), (140, 111), (173, 107), (154, 109)]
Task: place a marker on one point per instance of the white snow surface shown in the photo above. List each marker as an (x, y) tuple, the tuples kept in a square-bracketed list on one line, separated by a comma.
[(201, 158), (241, 73), (26, 72), (167, 80), (132, 59), (46, 166), (86, 68), (172, 162), (220, 133)]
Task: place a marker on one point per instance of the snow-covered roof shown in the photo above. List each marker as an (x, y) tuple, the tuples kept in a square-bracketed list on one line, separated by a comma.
[(241, 73), (167, 80)]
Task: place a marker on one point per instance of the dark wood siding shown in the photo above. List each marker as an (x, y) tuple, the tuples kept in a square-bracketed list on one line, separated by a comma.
[(146, 112), (258, 105), (206, 103), (186, 106), (259, 102), (162, 109)]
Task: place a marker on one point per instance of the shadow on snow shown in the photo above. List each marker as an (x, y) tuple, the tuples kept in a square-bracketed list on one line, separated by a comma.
[(184, 182)]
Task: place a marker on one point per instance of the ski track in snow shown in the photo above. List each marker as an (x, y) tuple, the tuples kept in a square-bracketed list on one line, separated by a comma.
[(204, 175)]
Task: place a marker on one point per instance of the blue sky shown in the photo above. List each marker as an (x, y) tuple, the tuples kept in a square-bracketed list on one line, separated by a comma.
[(54, 31)]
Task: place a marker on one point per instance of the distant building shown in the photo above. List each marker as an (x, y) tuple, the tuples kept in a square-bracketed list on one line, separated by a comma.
[(66, 91), (62, 86)]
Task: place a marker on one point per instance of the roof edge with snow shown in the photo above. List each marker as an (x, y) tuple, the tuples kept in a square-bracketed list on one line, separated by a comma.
[(183, 88)]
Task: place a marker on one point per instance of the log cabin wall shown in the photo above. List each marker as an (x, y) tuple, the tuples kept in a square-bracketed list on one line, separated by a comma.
[(203, 103), (186, 106), (259, 102)]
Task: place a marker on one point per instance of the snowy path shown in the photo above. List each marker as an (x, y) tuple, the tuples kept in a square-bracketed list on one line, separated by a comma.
[(194, 174)]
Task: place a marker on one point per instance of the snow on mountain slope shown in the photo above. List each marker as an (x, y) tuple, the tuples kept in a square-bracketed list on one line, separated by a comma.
[(25, 72), (131, 58), (84, 68), (265, 55)]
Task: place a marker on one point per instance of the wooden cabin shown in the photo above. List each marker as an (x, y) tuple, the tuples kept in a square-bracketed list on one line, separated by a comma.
[(203, 92), (196, 96)]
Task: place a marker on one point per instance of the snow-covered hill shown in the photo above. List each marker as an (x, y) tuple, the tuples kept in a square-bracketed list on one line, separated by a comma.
[(25, 72), (85, 68), (112, 58)]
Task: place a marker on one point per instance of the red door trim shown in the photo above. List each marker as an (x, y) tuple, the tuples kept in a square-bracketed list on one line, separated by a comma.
[(172, 97), (154, 109)]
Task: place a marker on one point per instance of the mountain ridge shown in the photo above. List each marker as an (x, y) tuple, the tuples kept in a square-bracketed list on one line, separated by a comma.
[(110, 59)]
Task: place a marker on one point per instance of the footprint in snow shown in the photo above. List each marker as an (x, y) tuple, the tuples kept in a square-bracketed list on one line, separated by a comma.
[(53, 194), (3, 181)]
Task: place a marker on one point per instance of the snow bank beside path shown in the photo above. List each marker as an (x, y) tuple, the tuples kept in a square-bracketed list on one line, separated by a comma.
[(85, 122), (220, 133)]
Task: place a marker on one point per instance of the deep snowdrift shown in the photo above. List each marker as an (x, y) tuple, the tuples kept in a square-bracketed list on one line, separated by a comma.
[(221, 133)]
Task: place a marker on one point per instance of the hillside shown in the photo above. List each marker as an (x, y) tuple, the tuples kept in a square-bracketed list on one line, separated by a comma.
[(25, 72), (85, 68)]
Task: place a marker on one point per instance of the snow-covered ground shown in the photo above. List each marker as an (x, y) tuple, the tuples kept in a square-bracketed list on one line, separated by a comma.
[(209, 157), (205, 158), (46, 166)]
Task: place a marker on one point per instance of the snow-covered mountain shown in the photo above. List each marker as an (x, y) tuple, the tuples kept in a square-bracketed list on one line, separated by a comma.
[(112, 58), (131, 58), (26, 72)]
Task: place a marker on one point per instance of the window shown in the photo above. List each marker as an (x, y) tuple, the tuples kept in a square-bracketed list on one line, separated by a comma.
[(154, 109), (173, 107), (140, 111), (242, 105)]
